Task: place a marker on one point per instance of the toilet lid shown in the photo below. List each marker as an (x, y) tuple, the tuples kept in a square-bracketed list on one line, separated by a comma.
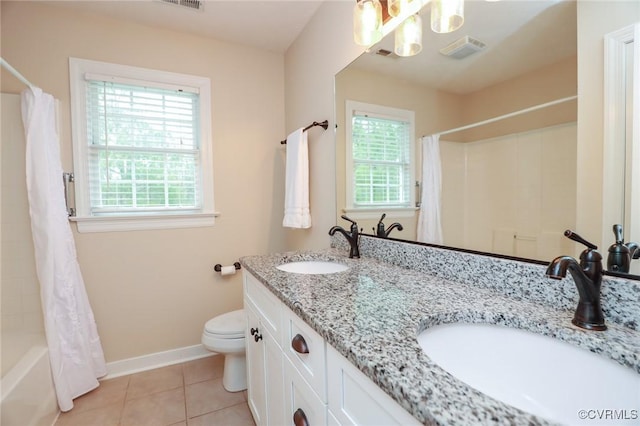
[(231, 324)]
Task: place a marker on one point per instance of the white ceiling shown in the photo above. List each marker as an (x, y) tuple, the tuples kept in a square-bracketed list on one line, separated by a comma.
[(521, 35), (267, 24)]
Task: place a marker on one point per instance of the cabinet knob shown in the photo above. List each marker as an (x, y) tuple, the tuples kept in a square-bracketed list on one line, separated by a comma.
[(257, 337), (299, 344), (253, 331), (299, 418)]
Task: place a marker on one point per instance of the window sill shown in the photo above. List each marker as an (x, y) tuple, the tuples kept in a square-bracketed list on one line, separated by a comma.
[(374, 213), (146, 222)]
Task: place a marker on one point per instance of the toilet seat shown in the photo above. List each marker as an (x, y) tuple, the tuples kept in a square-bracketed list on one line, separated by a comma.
[(227, 326)]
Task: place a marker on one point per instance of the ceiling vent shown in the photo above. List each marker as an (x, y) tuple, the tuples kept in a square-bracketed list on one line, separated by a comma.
[(463, 47), (189, 4), (386, 53)]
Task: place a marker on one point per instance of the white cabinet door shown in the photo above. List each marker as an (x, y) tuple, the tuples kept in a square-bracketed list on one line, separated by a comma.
[(274, 380), (302, 405), (256, 394)]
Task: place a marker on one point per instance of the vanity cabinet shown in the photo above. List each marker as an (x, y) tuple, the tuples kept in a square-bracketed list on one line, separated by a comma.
[(295, 378), (355, 400), (265, 374)]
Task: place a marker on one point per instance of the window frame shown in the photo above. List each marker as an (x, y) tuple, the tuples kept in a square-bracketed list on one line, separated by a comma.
[(370, 212), (88, 222)]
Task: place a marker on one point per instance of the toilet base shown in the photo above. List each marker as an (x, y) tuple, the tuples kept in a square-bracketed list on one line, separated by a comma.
[(234, 378)]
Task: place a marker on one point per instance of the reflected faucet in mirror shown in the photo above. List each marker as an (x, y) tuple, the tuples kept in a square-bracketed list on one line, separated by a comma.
[(384, 233), (352, 236), (621, 254), (587, 276)]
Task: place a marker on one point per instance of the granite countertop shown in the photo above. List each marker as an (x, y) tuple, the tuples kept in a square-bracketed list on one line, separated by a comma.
[(372, 313)]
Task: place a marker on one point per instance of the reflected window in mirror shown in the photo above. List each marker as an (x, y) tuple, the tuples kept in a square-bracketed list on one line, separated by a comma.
[(380, 158)]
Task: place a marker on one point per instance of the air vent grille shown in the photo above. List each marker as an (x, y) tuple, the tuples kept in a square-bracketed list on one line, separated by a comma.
[(463, 47), (189, 4), (386, 53)]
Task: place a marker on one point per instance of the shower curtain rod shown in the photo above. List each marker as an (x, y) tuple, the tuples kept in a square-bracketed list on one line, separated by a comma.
[(509, 115), (15, 73)]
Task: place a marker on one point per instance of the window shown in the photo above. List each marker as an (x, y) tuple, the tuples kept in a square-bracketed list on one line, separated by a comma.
[(142, 153), (380, 164)]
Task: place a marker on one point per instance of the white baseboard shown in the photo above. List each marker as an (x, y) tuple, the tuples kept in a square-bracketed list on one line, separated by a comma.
[(155, 360)]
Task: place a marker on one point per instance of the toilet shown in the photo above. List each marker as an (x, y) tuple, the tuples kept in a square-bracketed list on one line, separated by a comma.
[(224, 334)]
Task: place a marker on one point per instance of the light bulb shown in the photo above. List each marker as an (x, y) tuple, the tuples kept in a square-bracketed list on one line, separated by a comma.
[(408, 36), (398, 7), (367, 22), (447, 15)]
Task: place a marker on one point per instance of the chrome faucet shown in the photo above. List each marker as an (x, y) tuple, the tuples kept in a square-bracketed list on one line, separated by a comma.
[(352, 236), (588, 277), (381, 232)]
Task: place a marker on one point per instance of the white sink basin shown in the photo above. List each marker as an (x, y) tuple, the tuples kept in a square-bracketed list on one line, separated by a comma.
[(313, 267), (536, 373)]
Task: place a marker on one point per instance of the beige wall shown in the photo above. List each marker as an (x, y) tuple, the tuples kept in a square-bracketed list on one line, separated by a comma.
[(438, 110), (153, 290), (321, 51), (433, 109), (546, 84), (595, 19)]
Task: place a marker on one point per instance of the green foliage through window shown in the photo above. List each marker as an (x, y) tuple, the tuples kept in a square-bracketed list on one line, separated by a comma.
[(143, 148), (381, 152)]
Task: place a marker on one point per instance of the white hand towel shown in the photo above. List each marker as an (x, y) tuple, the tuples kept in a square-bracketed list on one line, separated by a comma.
[(296, 196)]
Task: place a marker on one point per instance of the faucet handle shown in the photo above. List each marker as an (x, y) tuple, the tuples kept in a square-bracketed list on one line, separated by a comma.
[(577, 238), (617, 232), (353, 222)]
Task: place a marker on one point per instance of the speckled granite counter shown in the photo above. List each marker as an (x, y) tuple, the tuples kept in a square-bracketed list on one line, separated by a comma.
[(372, 313)]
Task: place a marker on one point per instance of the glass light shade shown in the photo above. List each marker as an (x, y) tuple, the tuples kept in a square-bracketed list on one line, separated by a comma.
[(408, 36), (367, 22), (398, 7), (446, 15)]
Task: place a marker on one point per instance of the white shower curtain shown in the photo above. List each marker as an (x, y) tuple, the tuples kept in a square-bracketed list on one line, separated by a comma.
[(75, 351), (429, 226)]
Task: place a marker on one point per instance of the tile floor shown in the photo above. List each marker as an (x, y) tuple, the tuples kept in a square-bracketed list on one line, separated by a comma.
[(188, 394)]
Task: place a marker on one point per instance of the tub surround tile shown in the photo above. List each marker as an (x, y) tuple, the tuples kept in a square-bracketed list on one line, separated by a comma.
[(372, 313)]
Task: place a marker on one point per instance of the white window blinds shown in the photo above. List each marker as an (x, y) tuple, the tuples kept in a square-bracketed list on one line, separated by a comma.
[(143, 148), (381, 152)]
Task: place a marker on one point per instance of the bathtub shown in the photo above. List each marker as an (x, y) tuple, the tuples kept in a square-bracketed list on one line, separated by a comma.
[(28, 395)]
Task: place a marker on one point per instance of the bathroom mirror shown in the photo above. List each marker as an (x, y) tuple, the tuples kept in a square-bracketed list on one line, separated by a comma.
[(508, 187)]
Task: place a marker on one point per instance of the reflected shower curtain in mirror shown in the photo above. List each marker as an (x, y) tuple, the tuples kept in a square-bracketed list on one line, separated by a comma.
[(75, 351), (429, 226)]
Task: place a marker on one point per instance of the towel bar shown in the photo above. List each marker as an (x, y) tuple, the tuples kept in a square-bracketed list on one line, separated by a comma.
[(324, 125)]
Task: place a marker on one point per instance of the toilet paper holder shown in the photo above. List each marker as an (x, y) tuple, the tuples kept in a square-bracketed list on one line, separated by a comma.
[(218, 267)]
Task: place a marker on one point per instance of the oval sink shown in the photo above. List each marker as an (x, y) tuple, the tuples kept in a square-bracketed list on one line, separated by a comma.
[(313, 267), (535, 373)]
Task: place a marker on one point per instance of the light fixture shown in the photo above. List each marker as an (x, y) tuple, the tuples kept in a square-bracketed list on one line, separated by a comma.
[(446, 15), (399, 7), (408, 37), (367, 22)]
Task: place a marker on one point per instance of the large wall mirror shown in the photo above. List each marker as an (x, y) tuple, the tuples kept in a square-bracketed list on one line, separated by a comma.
[(509, 185)]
